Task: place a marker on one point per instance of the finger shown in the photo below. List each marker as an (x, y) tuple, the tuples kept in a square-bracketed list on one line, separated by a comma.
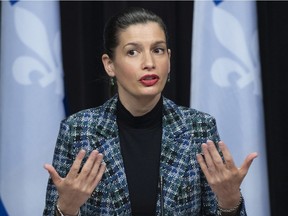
[(53, 174), (74, 170), (95, 168), (99, 175), (227, 155), (247, 163), (207, 157), (216, 158), (88, 166), (203, 165), (96, 165)]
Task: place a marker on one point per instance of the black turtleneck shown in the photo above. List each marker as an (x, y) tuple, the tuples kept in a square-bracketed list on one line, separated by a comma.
[(140, 141)]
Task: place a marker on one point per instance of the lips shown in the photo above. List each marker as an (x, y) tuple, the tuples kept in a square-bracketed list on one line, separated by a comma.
[(149, 80)]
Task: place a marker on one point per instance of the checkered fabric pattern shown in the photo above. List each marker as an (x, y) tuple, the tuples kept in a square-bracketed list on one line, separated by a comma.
[(185, 189)]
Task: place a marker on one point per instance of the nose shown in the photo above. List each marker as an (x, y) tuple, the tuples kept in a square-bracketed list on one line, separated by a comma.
[(148, 61)]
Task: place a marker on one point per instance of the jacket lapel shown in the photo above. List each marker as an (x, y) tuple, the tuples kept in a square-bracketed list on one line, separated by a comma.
[(175, 155), (115, 173)]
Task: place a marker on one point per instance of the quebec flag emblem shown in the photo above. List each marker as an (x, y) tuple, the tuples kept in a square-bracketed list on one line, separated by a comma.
[(226, 83), (31, 102)]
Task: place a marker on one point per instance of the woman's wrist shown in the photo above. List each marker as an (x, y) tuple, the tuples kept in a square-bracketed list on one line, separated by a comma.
[(229, 201), (61, 212), (233, 210)]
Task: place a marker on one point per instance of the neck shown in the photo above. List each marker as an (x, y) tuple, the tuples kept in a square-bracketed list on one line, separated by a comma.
[(140, 106)]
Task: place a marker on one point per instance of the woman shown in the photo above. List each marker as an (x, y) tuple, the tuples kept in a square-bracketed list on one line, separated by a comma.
[(139, 153)]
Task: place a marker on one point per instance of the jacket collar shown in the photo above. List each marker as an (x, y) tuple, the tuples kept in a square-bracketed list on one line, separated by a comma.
[(174, 151), (173, 123)]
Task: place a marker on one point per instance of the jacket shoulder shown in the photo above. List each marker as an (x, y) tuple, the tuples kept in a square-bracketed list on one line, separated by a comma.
[(186, 113), (104, 111)]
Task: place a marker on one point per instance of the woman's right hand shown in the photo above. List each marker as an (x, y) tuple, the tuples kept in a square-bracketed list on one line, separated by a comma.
[(76, 188)]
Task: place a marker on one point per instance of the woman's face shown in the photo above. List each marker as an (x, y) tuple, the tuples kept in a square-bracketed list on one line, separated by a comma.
[(142, 61)]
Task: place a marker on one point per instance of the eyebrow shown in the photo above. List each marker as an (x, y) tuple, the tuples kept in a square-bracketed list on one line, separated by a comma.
[(139, 44)]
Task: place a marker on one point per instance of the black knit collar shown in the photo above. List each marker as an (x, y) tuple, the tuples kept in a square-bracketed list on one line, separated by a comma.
[(150, 119)]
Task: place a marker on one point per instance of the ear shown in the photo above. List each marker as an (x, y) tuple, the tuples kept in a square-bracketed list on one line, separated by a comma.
[(169, 53), (108, 65)]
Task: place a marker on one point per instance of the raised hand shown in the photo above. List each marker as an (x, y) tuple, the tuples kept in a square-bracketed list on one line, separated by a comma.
[(223, 177), (76, 188)]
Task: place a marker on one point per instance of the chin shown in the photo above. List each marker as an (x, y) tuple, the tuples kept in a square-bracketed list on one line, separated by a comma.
[(151, 94)]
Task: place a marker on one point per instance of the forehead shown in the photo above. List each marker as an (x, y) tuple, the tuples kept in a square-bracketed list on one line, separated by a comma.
[(143, 31)]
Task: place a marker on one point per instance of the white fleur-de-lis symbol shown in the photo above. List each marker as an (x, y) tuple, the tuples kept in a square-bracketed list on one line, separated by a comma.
[(232, 37), (36, 39)]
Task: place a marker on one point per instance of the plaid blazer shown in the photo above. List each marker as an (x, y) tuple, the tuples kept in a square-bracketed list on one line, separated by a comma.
[(185, 189)]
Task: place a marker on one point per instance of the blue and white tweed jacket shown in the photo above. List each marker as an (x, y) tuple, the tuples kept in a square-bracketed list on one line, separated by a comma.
[(186, 191)]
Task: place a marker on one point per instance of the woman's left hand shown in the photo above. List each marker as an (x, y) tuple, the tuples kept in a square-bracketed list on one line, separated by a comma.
[(223, 177)]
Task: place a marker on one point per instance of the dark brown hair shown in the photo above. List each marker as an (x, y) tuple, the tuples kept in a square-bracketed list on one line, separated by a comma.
[(124, 19)]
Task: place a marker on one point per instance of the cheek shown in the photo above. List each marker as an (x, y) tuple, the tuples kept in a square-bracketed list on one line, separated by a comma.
[(126, 73), (166, 67)]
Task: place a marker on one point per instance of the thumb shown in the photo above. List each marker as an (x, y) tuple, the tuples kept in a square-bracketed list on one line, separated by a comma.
[(247, 163), (53, 174)]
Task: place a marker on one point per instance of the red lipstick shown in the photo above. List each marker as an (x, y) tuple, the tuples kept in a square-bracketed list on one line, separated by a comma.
[(149, 79)]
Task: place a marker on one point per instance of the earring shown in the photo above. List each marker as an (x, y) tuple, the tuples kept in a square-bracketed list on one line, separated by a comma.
[(112, 81), (168, 79)]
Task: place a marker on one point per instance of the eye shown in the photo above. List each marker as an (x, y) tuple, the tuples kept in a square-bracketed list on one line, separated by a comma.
[(159, 50), (132, 52)]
